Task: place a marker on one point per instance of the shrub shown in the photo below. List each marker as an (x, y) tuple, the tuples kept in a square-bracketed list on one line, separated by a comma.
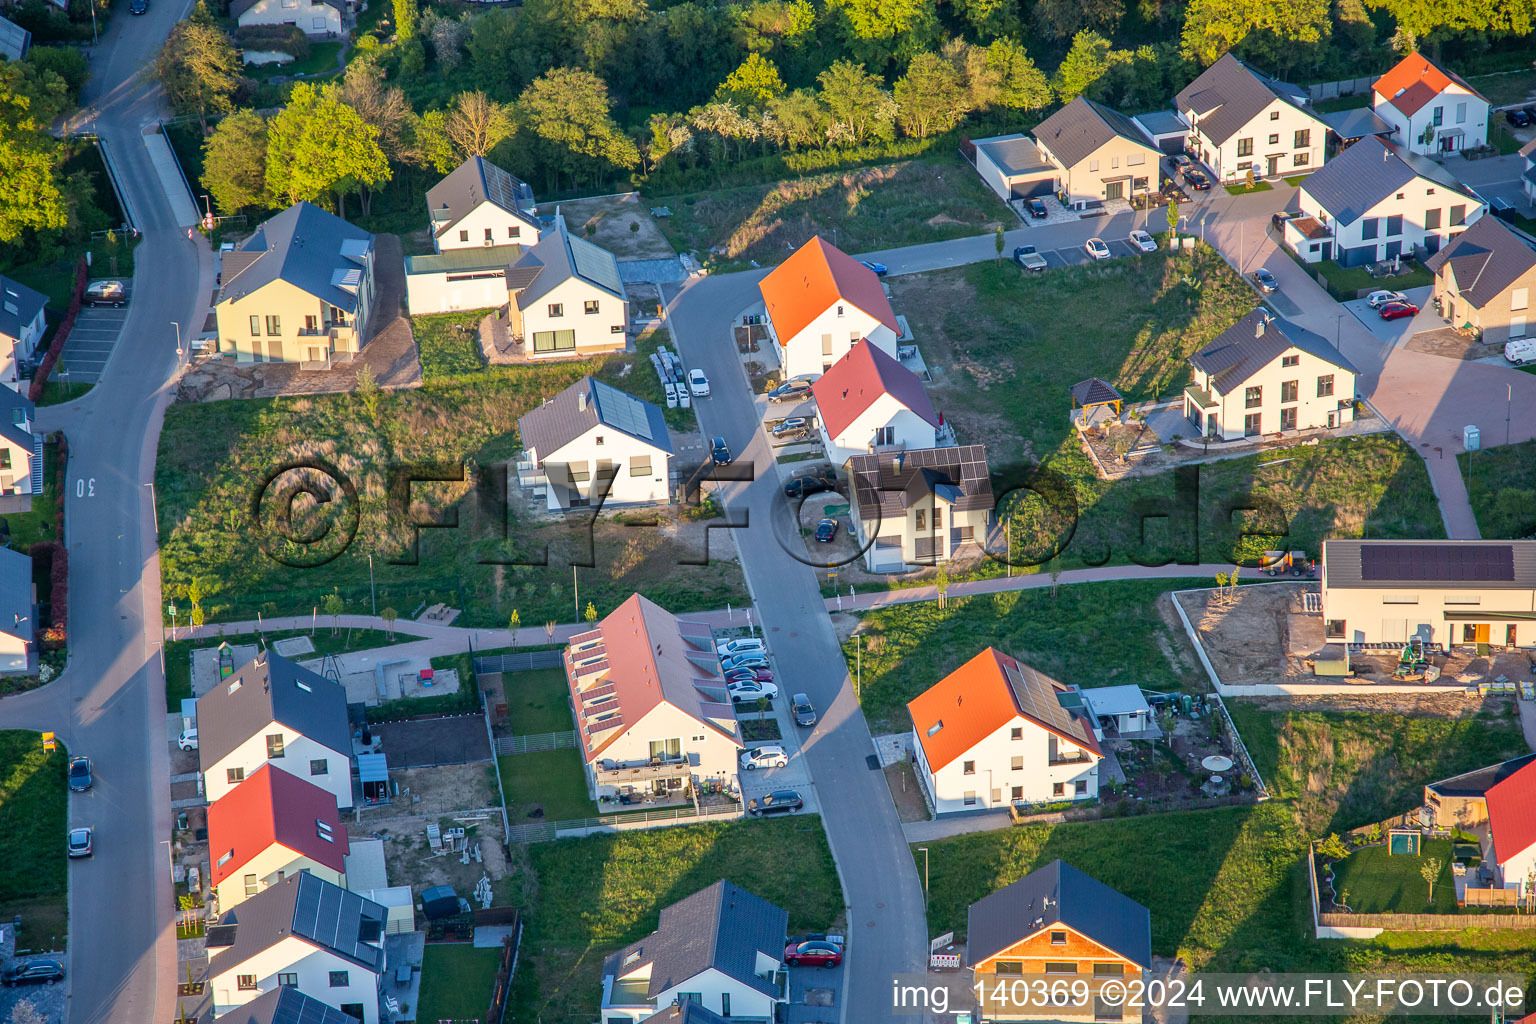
[(56, 347)]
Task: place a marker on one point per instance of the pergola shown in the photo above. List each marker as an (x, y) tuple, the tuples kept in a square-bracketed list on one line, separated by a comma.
[(1094, 392)]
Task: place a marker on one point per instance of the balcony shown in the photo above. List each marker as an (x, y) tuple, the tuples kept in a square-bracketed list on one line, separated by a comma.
[(628, 773)]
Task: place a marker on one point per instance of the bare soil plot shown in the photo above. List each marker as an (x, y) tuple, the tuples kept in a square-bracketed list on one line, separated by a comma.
[(1245, 636), (439, 796), (904, 790), (425, 742), (621, 224), (1452, 344)]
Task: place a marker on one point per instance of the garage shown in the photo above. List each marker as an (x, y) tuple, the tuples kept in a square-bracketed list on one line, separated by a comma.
[(1014, 168), (1165, 128), (459, 279)]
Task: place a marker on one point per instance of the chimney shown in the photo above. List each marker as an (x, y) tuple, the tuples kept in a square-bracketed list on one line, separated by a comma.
[(1258, 328)]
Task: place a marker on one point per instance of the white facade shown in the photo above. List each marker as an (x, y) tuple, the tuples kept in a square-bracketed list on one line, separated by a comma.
[(827, 338), (705, 753), (642, 471), (713, 989), (1310, 394), (485, 226), (447, 290), (1393, 614), (17, 349), (1454, 120), (1516, 871), (1037, 767), (575, 317), (311, 971), (886, 425), (1282, 139), (301, 757), (311, 16), (266, 869), (1421, 212)]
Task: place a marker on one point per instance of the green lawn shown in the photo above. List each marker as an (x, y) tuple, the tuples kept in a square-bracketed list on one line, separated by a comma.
[(537, 701), (1373, 881), (1297, 179), (1511, 87), (552, 781), (1502, 139), (27, 528), (583, 898), (178, 653), (1242, 188), (457, 981), (449, 345), (1093, 634), (33, 824), (1502, 487), (57, 392), (322, 58), (1349, 280)]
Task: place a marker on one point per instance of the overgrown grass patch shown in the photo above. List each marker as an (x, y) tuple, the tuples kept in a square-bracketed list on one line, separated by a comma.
[(34, 794), (322, 58), (448, 344), (537, 701), (456, 981), (1501, 483)]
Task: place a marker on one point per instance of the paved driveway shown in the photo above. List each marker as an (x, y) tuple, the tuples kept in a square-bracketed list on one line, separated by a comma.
[(90, 343), (1393, 332), (815, 995)]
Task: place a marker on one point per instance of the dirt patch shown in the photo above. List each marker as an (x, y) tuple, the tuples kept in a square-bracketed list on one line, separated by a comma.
[(621, 224), (909, 799), (438, 791), (426, 742), (1452, 344), (1427, 705), (1244, 635), (412, 862)]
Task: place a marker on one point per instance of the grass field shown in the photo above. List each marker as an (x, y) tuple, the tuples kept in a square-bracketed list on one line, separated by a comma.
[(1502, 487), (537, 701), (449, 345), (456, 982), (551, 781), (1242, 188), (1094, 634), (178, 653), (23, 529), (33, 823), (1501, 90), (584, 898), (1375, 882)]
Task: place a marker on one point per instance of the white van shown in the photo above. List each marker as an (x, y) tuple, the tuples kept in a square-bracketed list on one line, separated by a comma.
[(1522, 351)]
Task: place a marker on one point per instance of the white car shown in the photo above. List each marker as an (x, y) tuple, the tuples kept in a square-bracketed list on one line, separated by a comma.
[(749, 691), (764, 757), (1143, 241), (1379, 299), (188, 739), (1096, 248), (740, 645), (698, 383)]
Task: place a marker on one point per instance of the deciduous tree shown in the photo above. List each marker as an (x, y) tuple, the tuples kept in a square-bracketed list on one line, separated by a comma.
[(477, 124), (1085, 63), (407, 18), (568, 110), (199, 69), (318, 146), (235, 161), (858, 106), (31, 195), (1212, 27), (1021, 85), (880, 30), (430, 145), (382, 105), (1059, 19), (801, 117), (752, 84), (930, 97)]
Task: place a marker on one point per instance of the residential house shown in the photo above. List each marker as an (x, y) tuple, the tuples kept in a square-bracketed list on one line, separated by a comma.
[(1377, 201), (1056, 920), (469, 278), (299, 289), (18, 612), (995, 732), (1100, 154), (820, 303), (285, 1005), (685, 1011), (567, 298), (722, 948), (15, 41), (653, 717), (868, 402), (271, 826), (1265, 375), (592, 444), (1461, 801), (1528, 175), (323, 18), (302, 932), (1484, 280), (1446, 592), (480, 206), (1511, 845), (275, 711), (1245, 122), (1432, 110), (920, 506), (22, 322), (21, 447), (1014, 168)]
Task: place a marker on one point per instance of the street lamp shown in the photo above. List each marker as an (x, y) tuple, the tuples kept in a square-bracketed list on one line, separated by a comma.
[(177, 325)]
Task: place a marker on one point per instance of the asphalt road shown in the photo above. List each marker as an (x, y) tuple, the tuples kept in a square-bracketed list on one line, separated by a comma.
[(110, 702)]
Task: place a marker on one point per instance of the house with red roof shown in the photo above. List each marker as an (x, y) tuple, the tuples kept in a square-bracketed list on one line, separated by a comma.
[(1512, 829), (269, 827), (654, 719), (1433, 110), (996, 732), (868, 403), (820, 303)]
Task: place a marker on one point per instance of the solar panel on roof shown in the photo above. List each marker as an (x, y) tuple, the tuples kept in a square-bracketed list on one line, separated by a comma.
[(625, 412), (1489, 563), (594, 264)]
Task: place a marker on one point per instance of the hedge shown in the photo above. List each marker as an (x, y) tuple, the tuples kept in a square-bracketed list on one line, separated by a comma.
[(56, 347)]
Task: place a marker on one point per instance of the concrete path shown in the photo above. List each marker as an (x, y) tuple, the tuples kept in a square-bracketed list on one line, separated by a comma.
[(1528, 721), (183, 209), (952, 825)]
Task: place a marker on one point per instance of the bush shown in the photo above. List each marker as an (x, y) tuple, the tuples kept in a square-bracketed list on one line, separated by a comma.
[(56, 347), (56, 634)]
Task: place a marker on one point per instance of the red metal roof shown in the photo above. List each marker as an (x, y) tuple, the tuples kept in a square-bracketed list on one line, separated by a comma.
[(1512, 812), (272, 806), (818, 275), (853, 383)]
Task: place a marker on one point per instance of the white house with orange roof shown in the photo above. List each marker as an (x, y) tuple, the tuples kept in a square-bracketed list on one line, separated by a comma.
[(820, 303), (653, 716), (1433, 110), (271, 826), (869, 403), (996, 732)]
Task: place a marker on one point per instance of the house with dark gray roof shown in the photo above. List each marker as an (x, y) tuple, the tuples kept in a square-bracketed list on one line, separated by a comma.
[(921, 506), (1377, 201), (22, 322), (21, 452), (285, 1005), (1484, 280), (479, 206), (1100, 154), (305, 933), (567, 298), (275, 711), (1243, 121), (18, 612), (722, 948), (594, 445), (299, 289), (1267, 375), (467, 278), (322, 19), (15, 41)]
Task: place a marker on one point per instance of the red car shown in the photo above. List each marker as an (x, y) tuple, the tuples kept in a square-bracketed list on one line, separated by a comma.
[(1397, 310), (761, 675), (814, 953)]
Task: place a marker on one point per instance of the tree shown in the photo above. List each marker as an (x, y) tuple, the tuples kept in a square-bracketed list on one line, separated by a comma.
[(381, 105), (389, 615), (878, 30), (198, 68), (941, 582), (801, 117), (1418, 20), (1332, 847), (25, 1011), (32, 196), (430, 145), (448, 36), (991, 19), (1173, 218), (1021, 85), (999, 242), (406, 19), (1212, 27), (1085, 63), (568, 109), (333, 606), (930, 97), (1430, 872), (477, 124), (1059, 19), (856, 103), (235, 161), (591, 613), (317, 145), (752, 85), (368, 393)]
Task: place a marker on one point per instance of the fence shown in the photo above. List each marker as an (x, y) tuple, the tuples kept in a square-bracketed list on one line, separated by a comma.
[(518, 662), (1342, 87), (547, 831), (1430, 922), (505, 967), (1239, 747), (535, 742)]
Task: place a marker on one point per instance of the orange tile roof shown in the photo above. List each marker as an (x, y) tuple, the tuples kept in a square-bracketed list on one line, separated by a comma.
[(1512, 812), (273, 807), (979, 697), (1414, 82), (818, 275)]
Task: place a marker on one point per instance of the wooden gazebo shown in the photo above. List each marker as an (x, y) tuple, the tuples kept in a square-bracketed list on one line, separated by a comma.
[(1094, 392)]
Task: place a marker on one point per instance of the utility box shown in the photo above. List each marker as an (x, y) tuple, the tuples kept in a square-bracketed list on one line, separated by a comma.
[(1471, 437)]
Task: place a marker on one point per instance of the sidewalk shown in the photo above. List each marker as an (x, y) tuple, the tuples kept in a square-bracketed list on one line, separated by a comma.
[(1031, 581)]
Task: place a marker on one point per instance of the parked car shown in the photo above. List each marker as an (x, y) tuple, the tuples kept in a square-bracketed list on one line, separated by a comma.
[(1181, 161), (790, 391), (1520, 351), (761, 675), (1026, 257), (801, 486), (1265, 280), (106, 293), (1197, 181), (1530, 112), (188, 739), (771, 756), (813, 953), (804, 710), (740, 645), (750, 660), (780, 801), (80, 842), (79, 774), (826, 530), (746, 691), (719, 451), (1397, 310), (1517, 117), (138, 7), (1096, 248), (1378, 299), (698, 383), (791, 426), (41, 971), (1143, 241), (1037, 208), (879, 268)]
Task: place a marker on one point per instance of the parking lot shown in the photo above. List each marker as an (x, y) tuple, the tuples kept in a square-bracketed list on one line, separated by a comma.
[(1393, 331), (796, 774), (89, 345)]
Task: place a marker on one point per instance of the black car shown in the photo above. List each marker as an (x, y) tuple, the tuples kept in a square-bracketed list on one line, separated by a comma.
[(79, 774), (1037, 208), (1517, 117), (720, 451), (780, 801), (41, 971), (790, 391), (1197, 181), (1530, 113), (801, 486), (138, 7), (803, 710), (826, 530)]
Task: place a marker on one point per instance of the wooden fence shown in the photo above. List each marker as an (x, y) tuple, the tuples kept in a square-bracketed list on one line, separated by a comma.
[(504, 969), (1491, 897)]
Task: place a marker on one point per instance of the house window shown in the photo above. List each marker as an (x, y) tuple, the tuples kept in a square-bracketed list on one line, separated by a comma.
[(1017, 733), (245, 982), (725, 1004), (1018, 793), (968, 768), (639, 465), (250, 885), (319, 766), (922, 520), (1093, 165), (970, 798), (1060, 967), (287, 979), (1058, 789), (235, 775), (1251, 425), (1458, 215), (1400, 599), (1253, 397), (826, 344), (554, 341), (310, 324), (589, 307), (580, 474), (1394, 225), (1106, 1009), (1245, 147), (1274, 115), (599, 440), (1439, 118), (1080, 786), (1274, 139), (1138, 184), (1334, 629), (255, 326), (1058, 938), (1135, 159), (885, 435), (514, 231), (1109, 970), (1325, 386), (1301, 159), (938, 518), (353, 1010), (489, 236), (1289, 390), (1303, 138), (1519, 298), (1017, 764), (1289, 360), (1399, 195), (274, 327), (1288, 418), (464, 235), (275, 745), (1010, 968), (5, 459), (555, 309), (1431, 219), (339, 979), (1461, 113), (1368, 227)]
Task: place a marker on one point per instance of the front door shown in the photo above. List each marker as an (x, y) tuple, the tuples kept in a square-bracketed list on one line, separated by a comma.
[(1509, 636), (1274, 166), (1114, 190), (1474, 632)]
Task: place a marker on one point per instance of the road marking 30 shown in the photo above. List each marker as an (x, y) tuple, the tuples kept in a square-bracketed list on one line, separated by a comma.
[(85, 487)]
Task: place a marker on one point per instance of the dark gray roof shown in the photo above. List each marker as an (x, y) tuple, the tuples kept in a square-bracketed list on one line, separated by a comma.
[(1244, 349), (1162, 122), (558, 257), (1486, 258), (1430, 564), (16, 415), (1075, 131), (17, 616), (473, 182), (1081, 903), (1229, 94), (239, 7), (723, 926), (19, 306), (1363, 175), (285, 1005), (583, 406), (304, 905), (1356, 123), (686, 1012), (267, 689), (889, 484), (1014, 154), (1478, 781), (306, 246), (1094, 391), (487, 257), (14, 40)]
